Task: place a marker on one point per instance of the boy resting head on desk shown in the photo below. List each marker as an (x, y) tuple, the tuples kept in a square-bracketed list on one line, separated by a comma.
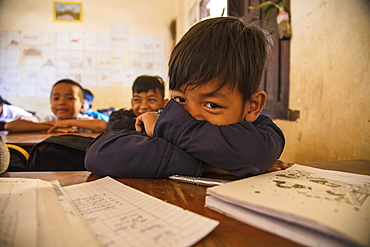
[(66, 101), (213, 122), (147, 96)]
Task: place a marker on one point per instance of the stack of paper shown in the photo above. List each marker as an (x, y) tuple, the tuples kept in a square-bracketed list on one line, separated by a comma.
[(310, 206), (104, 212)]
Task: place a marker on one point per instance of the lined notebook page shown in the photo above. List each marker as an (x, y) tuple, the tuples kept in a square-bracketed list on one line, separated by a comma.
[(122, 216)]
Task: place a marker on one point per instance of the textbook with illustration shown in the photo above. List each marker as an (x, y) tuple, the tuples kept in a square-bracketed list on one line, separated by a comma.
[(307, 205), (104, 212)]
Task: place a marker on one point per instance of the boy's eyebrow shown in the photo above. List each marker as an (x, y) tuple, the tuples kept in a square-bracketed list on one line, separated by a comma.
[(215, 94)]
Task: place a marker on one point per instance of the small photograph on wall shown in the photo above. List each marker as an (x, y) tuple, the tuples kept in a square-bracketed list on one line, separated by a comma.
[(68, 11)]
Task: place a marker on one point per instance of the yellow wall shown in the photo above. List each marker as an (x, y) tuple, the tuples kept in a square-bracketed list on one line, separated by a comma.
[(143, 18), (329, 77), (329, 81)]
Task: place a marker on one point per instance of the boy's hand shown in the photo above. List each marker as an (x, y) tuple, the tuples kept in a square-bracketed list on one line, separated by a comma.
[(63, 126), (146, 122), (278, 166)]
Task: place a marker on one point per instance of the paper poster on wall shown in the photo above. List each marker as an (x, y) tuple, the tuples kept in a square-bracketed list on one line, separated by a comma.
[(103, 41), (31, 78), (63, 60), (76, 74), (119, 39), (31, 64), (116, 55), (3, 40), (159, 44), (135, 60), (134, 43), (43, 90), (116, 73), (103, 77), (48, 40), (32, 38), (90, 59), (12, 39), (147, 60), (160, 61), (75, 59), (119, 27), (76, 41), (48, 56), (128, 77), (8, 89), (147, 43), (48, 74), (90, 78), (12, 57), (103, 59), (91, 41), (62, 41), (62, 73), (12, 74)]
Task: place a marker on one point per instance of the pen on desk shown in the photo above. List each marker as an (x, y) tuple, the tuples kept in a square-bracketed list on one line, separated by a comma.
[(199, 180)]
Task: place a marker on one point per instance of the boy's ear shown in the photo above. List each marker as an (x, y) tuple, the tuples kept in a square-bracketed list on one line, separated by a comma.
[(255, 105), (165, 102)]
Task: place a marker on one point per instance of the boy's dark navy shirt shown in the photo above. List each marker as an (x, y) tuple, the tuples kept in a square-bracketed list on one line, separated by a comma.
[(181, 144)]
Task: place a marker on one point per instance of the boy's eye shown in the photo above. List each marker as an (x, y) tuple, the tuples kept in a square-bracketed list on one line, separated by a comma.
[(179, 99), (212, 105), (152, 100)]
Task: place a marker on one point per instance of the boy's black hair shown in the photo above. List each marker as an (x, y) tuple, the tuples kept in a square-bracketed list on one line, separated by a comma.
[(4, 101), (224, 48), (145, 83), (71, 82), (88, 96)]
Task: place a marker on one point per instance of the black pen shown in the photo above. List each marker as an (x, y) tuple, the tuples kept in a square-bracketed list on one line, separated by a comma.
[(199, 180)]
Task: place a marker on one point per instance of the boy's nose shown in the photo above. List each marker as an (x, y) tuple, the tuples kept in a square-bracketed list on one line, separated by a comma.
[(195, 112)]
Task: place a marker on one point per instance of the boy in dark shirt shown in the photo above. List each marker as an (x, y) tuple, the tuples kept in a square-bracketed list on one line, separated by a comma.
[(213, 122), (147, 95)]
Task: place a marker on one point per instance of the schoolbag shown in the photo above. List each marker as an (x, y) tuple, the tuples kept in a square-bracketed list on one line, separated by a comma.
[(59, 153), (18, 158)]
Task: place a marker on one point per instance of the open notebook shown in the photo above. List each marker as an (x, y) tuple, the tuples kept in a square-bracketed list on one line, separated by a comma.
[(104, 212), (307, 205)]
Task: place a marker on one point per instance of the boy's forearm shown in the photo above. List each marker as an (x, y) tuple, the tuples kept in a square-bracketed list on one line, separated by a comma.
[(95, 125), (131, 154), (20, 125)]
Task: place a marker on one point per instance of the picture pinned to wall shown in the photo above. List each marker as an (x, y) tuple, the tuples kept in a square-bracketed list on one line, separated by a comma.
[(68, 11)]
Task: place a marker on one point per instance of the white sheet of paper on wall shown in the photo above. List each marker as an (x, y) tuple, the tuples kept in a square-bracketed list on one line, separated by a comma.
[(76, 40), (62, 41), (90, 41), (103, 41)]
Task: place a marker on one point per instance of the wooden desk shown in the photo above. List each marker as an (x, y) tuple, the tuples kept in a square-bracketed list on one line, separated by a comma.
[(27, 140), (229, 232)]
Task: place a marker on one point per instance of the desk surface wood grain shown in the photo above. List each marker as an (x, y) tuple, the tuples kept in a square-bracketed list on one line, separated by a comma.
[(230, 232), (32, 138)]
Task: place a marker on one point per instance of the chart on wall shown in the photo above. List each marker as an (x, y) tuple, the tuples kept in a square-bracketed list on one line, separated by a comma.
[(31, 62)]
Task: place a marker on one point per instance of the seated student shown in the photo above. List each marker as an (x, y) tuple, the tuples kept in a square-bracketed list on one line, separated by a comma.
[(88, 102), (66, 100), (213, 122), (147, 95), (10, 112)]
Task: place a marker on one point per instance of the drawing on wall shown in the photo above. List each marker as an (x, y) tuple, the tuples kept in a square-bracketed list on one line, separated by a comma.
[(68, 11)]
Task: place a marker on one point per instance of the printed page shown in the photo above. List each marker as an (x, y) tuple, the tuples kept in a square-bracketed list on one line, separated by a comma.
[(332, 202), (32, 215), (120, 215), (18, 212)]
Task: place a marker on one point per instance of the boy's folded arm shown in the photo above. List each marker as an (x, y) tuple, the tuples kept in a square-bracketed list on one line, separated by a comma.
[(96, 125), (20, 125), (243, 149), (130, 154)]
